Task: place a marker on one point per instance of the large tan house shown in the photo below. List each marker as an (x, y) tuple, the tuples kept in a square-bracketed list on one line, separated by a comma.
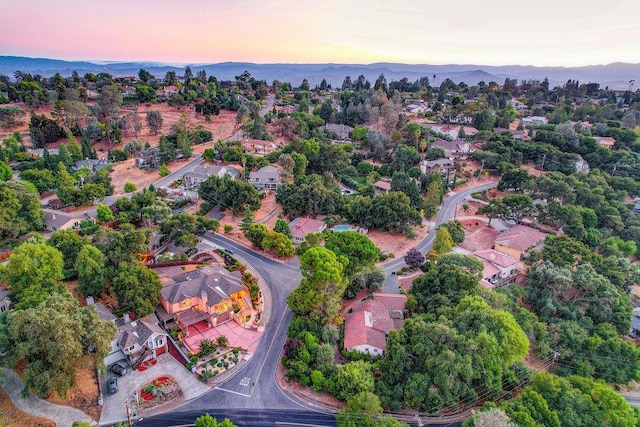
[(206, 294), (518, 240)]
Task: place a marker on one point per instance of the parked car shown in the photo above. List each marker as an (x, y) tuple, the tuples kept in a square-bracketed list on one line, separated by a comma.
[(510, 223), (112, 385), (118, 369), (191, 251), (229, 251)]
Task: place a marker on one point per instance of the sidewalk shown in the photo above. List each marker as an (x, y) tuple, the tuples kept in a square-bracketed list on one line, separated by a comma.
[(61, 415)]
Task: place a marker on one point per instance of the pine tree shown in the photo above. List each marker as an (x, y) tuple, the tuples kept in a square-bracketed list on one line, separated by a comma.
[(248, 219)]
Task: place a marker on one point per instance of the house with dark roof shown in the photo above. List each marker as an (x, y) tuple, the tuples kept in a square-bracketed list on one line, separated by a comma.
[(5, 301), (518, 240), (206, 294), (142, 340), (342, 131), (93, 165), (442, 166), (367, 325), (266, 178), (201, 173), (302, 226)]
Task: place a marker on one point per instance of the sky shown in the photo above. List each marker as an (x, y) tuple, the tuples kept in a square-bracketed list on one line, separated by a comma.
[(484, 32)]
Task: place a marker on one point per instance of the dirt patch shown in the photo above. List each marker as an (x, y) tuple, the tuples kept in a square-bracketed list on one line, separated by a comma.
[(128, 172), (11, 416), (397, 244), (268, 214), (478, 235), (472, 208), (84, 394), (406, 282)]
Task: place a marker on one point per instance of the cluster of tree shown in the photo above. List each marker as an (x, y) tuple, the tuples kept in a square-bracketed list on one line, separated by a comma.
[(20, 210), (469, 351), (554, 401), (47, 329), (276, 241), (230, 193), (310, 195)]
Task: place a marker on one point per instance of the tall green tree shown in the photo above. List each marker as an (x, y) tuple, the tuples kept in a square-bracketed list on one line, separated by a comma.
[(358, 248), (90, 265), (207, 420), (34, 271), (69, 243), (137, 288), (443, 241), (319, 294), (20, 209)]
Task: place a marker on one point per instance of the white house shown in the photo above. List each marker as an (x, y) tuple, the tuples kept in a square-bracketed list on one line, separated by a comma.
[(201, 173), (534, 120), (266, 178)]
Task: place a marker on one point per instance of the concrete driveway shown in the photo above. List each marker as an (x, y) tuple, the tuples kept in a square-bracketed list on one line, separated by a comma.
[(114, 408)]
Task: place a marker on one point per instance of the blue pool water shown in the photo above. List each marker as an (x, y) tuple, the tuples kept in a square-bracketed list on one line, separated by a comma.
[(344, 227)]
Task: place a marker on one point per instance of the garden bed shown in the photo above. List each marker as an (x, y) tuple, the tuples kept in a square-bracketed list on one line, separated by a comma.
[(217, 363), (161, 390)]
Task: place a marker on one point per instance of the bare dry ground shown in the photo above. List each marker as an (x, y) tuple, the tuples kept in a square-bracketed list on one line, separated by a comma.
[(11, 416)]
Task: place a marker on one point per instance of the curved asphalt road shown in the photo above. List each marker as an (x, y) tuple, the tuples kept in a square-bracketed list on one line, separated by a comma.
[(446, 213)]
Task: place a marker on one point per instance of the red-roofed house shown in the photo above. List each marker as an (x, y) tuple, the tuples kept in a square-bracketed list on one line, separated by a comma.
[(381, 187), (367, 325), (300, 227), (518, 240), (498, 267)]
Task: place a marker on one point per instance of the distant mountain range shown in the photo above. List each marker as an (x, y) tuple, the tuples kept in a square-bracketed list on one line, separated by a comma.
[(615, 75)]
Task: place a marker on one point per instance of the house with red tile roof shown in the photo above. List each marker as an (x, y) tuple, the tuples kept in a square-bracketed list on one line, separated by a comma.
[(366, 327), (499, 268), (302, 226), (382, 186), (518, 240)]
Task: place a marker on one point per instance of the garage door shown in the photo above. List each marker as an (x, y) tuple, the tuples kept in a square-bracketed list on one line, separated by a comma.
[(161, 350)]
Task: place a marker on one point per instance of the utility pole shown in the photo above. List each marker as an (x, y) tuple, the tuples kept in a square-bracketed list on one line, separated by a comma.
[(544, 157), (128, 413)]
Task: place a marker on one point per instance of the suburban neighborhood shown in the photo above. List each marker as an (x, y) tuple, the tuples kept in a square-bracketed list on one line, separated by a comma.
[(374, 251)]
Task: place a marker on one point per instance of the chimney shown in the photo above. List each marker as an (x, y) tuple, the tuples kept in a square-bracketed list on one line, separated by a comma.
[(125, 318), (204, 299)]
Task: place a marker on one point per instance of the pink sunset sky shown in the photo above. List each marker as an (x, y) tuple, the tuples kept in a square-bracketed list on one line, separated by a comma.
[(491, 32)]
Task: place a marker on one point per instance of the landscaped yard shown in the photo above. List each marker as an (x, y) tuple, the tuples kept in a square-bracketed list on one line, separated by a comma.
[(159, 391)]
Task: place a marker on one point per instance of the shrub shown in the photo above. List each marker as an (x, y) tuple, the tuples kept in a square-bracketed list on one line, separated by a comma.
[(129, 187), (163, 170), (228, 228)]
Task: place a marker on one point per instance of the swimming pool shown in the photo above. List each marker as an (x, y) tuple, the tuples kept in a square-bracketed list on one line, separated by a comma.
[(342, 227)]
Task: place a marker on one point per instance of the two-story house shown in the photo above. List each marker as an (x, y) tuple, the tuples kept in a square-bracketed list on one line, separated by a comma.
[(266, 178), (518, 240), (499, 268), (367, 325), (454, 149), (206, 294), (442, 166)]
